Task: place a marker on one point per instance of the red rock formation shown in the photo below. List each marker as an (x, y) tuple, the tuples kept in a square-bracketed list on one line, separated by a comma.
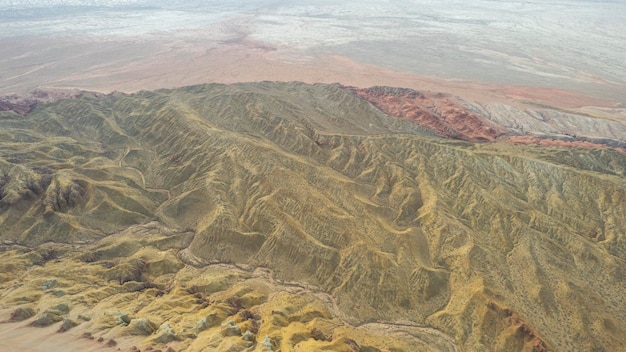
[(445, 115), (437, 112)]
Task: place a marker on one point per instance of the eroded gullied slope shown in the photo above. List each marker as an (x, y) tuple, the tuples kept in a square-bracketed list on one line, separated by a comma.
[(518, 122), (401, 226), (499, 247), (439, 112)]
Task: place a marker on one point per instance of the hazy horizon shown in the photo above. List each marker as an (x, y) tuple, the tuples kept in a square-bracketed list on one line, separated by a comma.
[(570, 44)]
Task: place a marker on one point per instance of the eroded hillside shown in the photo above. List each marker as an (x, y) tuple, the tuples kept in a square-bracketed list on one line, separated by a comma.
[(286, 216)]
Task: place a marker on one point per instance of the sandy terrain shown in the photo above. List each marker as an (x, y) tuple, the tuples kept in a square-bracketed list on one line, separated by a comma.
[(19, 337), (170, 62), (539, 51)]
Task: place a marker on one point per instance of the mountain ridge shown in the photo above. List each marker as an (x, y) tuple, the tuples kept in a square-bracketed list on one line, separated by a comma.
[(486, 242)]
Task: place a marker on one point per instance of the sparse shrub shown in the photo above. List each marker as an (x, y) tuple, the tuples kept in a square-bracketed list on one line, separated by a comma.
[(318, 335), (248, 315), (88, 257), (353, 345), (4, 180), (22, 313), (235, 304), (48, 318), (131, 270), (67, 325)]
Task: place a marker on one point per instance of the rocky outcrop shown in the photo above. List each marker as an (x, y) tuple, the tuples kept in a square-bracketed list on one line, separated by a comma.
[(141, 327), (22, 313), (63, 193), (47, 318), (23, 105), (452, 117), (438, 112), (18, 182), (19, 107)]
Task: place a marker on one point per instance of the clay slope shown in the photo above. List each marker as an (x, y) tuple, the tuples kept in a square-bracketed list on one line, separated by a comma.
[(532, 123), (436, 111), (286, 216)]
